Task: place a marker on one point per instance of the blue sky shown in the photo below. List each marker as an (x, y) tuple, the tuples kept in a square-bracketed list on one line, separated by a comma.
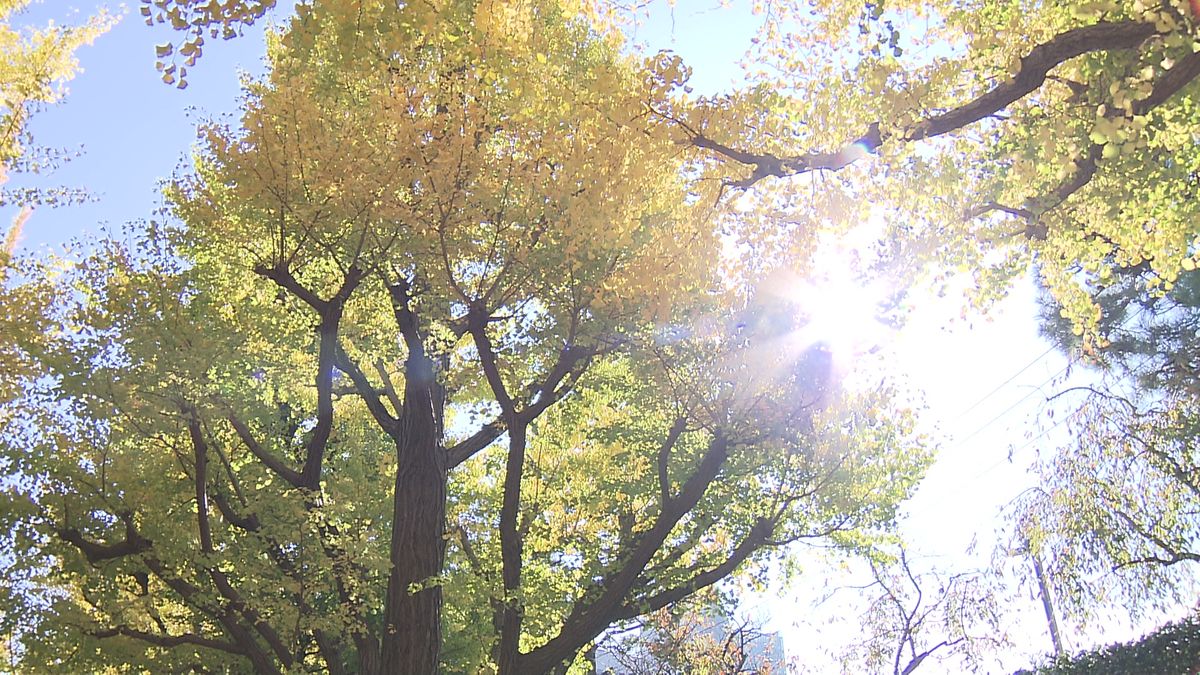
[(132, 129)]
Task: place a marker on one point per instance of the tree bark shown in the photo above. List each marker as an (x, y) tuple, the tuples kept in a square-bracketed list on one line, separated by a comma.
[(412, 635), (511, 551)]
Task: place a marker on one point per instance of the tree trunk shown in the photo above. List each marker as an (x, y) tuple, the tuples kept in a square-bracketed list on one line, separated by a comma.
[(511, 545), (412, 636)]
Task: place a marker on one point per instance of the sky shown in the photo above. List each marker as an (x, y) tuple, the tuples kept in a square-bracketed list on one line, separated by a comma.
[(984, 378), (117, 109)]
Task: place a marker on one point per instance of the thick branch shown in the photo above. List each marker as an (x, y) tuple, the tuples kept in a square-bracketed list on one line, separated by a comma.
[(249, 523), (477, 325), (466, 448), (330, 312), (264, 629), (1176, 554), (592, 615), (549, 391), (314, 455), (1032, 74), (571, 363), (389, 388), (401, 295), (1166, 86), (1035, 66), (168, 641), (200, 477), (283, 277), (1169, 83), (753, 541), (272, 462), (512, 545), (96, 553)]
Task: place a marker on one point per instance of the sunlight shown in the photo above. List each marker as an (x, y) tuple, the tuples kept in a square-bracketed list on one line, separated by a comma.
[(842, 314), (835, 306)]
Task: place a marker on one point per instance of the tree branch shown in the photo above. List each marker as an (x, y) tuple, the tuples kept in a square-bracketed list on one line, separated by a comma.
[(1183, 73), (96, 553), (199, 476), (192, 595), (368, 392), (1034, 68), (249, 523), (204, 526), (590, 616), (272, 462), (466, 448), (330, 312), (664, 459), (314, 452), (916, 660), (477, 326), (755, 539), (169, 641), (389, 389), (400, 292), (283, 277)]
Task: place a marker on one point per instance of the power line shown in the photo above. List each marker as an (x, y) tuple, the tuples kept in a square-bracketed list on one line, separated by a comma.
[(1070, 362), (1045, 431), (1012, 407), (1129, 319), (1014, 376)]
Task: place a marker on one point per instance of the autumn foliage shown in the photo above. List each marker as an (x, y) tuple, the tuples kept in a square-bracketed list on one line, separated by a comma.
[(465, 343)]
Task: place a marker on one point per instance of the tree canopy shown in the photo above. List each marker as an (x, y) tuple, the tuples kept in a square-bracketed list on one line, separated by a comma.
[(472, 337)]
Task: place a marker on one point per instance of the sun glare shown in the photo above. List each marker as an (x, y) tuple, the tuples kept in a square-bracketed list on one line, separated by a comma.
[(841, 313), (835, 307)]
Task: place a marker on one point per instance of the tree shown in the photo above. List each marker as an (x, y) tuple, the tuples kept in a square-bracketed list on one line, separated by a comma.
[(437, 343), (1174, 648), (34, 66), (700, 635), (914, 618), (441, 327), (1115, 514)]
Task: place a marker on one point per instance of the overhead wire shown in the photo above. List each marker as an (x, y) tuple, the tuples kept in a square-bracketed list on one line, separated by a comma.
[(1014, 376), (1070, 362), (1006, 411)]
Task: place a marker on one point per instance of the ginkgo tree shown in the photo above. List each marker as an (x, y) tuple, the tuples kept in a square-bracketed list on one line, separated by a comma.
[(437, 370), (34, 68), (461, 346)]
